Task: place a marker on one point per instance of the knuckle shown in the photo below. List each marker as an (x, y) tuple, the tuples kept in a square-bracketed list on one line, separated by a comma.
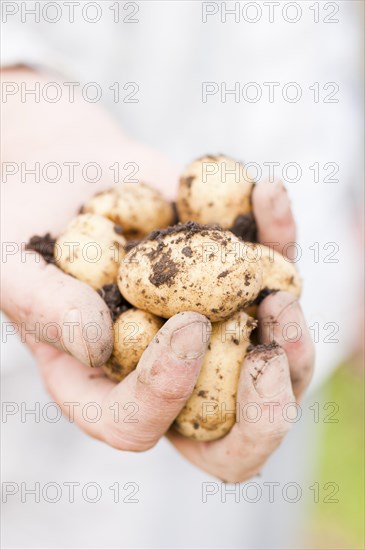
[(276, 431), (171, 393), (303, 348), (159, 384), (124, 442), (301, 357)]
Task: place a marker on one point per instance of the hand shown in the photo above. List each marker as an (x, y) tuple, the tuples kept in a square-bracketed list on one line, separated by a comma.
[(42, 301), (39, 295), (270, 379)]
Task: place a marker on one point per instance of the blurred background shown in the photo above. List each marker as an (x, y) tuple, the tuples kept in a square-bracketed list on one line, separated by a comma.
[(195, 78), (341, 457)]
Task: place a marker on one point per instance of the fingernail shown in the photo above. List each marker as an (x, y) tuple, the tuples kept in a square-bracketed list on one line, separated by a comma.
[(189, 342), (272, 378), (72, 337), (280, 200)]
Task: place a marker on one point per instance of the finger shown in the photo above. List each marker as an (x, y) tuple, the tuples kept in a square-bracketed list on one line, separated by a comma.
[(264, 390), (137, 412), (281, 320), (275, 222), (52, 307)]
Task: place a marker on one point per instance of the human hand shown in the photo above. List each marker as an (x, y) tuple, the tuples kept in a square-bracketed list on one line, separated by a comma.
[(158, 388), (272, 377), (51, 307)]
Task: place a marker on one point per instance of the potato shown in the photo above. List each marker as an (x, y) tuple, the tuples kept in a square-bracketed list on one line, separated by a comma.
[(137, 207), (90, 249), (277, 272), (214, 189), (210, 411), (190, 268), (133, 331)]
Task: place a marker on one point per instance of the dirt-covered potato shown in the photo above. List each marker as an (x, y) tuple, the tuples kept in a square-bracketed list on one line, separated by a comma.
[(207, 414), (133, 331), (91, 249), (277, 272), (190, 267), (214, 189), (136, 207)]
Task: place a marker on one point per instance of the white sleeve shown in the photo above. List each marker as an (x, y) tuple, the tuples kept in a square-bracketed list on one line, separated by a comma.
[(23, 45)]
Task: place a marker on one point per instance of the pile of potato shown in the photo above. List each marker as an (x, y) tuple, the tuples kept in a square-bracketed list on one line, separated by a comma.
[(129, 236)]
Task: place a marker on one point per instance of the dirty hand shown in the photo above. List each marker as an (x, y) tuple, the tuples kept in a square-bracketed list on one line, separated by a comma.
[(271, 378), (44, 302)]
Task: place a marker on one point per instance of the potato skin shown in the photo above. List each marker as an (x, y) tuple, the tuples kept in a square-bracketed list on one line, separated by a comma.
[(190, 268), (133, 331), (214, 200), (87, 238), (277, 272), (206, 415), (137, 207)]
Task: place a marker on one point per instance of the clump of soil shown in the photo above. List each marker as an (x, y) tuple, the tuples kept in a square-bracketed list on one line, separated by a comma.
[(45, 246), (245, 228), (262, 295), (176, 214), (114, 300)]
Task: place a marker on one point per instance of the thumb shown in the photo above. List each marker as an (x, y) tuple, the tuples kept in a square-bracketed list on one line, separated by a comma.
[(52, 307)]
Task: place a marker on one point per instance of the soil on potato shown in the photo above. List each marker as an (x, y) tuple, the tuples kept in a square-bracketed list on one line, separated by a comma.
[(131, 244), (114, 300), (164, 269), (45, 246), (244, 227), (189, 228)]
